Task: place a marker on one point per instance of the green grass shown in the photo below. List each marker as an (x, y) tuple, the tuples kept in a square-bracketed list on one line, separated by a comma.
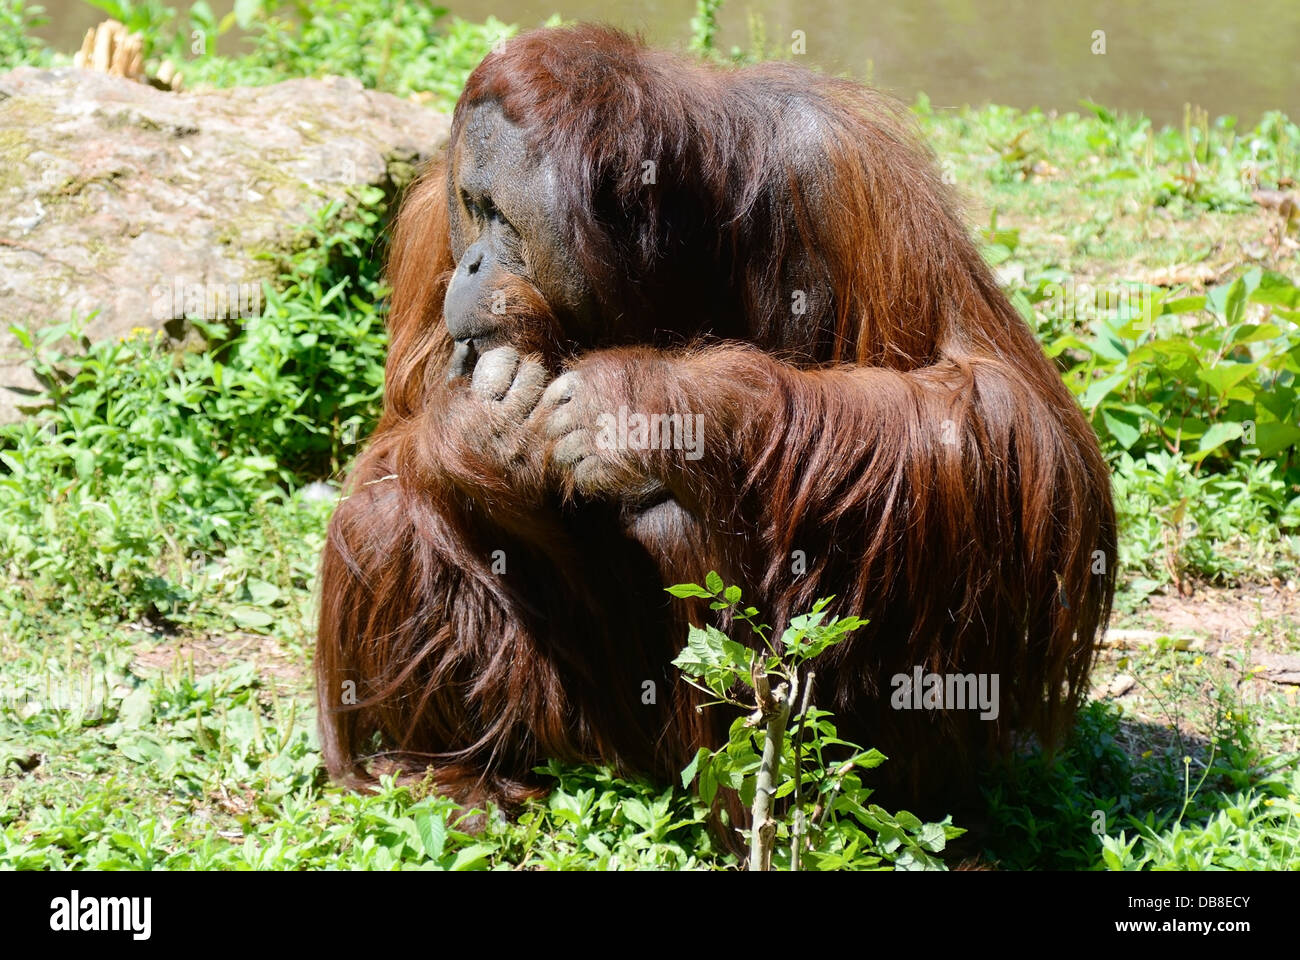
[(159, 531), (404, 48)]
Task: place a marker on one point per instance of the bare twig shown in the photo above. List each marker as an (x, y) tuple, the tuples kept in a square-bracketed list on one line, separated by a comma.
[(797, 829), (764, 829), (762, 688), (712, 703), (824, 806)]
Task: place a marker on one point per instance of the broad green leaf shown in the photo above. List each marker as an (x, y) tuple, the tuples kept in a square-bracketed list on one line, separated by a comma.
[(1276, 290), (1183, 305), (931, 837), (688, 775), (1124, 426), (1225, 376), (263, 594), (737, 654), (636, 811), (1063, 343), (1256, 332), (1228, 301), (1184, 428), (870, 759), (251, 618), (137, 708), (1272, 437), (1216, 436), (708, 785), (1099, 389), (470, 856), (686, 590), (433, 832)]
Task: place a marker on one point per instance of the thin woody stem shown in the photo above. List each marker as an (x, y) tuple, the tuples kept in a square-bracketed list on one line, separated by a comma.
[(763, 833)]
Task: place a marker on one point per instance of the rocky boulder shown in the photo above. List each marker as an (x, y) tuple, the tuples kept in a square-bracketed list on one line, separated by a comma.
[(147, 205)]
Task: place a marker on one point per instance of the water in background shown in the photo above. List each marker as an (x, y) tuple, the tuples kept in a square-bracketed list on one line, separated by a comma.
[(1241, 59)]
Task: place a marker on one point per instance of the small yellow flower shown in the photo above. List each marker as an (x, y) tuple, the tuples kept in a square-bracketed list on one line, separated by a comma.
[(1198, 661), (1147, 754)]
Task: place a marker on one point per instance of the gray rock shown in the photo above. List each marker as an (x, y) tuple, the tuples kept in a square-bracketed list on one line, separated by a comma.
[(1280, 667), (1117, 639), (146, 205)]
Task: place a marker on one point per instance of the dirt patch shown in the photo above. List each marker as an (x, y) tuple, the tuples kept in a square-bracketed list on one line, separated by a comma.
[(1264, 613), (1166, 663), (276, 665)]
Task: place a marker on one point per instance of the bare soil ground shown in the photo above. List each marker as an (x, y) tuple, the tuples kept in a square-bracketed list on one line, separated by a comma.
[(1162, 664)]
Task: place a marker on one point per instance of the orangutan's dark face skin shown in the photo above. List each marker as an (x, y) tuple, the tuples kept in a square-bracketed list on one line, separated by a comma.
[(506, 225)]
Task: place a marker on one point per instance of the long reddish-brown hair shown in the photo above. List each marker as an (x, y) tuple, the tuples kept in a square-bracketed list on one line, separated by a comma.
[(903, 433)]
